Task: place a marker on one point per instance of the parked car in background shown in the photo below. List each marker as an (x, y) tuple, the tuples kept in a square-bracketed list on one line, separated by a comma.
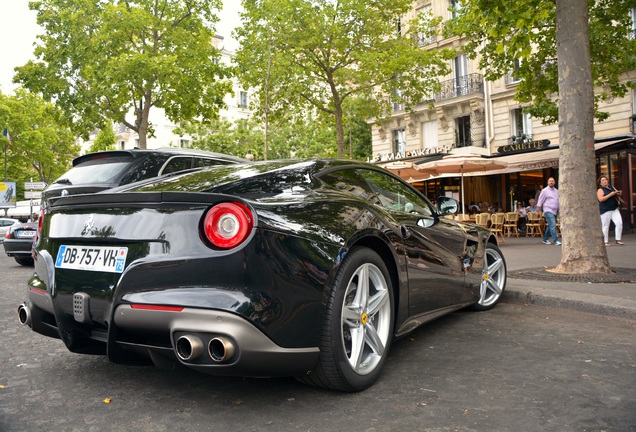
[(18, 242), (280, 268), (95, 172), (5, 224)]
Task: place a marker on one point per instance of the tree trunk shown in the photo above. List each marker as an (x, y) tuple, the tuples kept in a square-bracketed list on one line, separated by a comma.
[(143, 120), (583, 249), (339, 130)]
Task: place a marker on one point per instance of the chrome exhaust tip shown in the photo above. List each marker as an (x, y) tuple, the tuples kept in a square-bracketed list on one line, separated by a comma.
[(189, 347), (24, 315), (221, 349)]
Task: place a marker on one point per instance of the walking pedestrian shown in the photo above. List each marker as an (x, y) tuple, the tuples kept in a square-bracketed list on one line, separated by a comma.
[(549, 204), (609, 200)]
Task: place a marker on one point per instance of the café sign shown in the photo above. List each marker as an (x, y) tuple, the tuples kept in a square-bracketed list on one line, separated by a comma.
[(408, 154), (524, 147)]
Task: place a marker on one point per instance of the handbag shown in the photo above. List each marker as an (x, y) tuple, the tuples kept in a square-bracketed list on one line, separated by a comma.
[(618, 198)]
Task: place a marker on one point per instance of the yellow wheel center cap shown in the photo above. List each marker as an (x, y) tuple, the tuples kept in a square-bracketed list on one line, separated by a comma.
[(364, 318), (485, 277)]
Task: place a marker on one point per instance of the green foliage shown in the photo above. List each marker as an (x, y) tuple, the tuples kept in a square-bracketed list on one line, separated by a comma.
[(42, 145), (501, 33), (316, 54), (105, 140), (293, 138), (102, 59)]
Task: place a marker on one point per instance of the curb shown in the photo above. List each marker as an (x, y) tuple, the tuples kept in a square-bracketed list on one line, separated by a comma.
[(620, 308)]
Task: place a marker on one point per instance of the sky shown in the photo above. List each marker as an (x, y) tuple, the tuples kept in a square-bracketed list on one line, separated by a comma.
[(19, 30)]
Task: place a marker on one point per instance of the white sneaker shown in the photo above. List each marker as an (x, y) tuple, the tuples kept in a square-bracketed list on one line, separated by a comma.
[(557, 243), (546, 242)]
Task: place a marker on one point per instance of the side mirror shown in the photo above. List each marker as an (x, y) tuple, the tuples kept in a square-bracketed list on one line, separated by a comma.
[(447, 206)]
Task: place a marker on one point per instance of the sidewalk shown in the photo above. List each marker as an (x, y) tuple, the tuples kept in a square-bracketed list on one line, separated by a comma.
[(612, 299)]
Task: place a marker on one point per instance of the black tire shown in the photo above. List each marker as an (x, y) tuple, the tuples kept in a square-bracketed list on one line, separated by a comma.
[(345, 365), (494, 278), (24, 261)]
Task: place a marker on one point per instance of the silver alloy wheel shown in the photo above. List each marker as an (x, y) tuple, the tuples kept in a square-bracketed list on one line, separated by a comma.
[(493, 279), (365, 319)]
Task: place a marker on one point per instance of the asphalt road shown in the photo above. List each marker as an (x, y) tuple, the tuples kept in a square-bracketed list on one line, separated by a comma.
[(515, 368)]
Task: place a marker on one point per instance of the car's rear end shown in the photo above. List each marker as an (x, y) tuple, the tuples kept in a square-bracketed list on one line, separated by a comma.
[(184, 276), (18, 242)]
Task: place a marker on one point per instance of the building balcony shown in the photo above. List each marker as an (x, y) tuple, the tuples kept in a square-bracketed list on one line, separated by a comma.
[(424, 40), (461, 86), (471, 84), (520, 139)]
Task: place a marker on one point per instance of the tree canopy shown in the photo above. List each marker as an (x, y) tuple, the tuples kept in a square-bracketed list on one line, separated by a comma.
[(319, 53), (103, 59), (42, 145), (293, 137), (520, 38)]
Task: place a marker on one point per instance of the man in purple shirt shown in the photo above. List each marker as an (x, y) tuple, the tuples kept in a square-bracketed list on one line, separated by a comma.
[(549, 203)]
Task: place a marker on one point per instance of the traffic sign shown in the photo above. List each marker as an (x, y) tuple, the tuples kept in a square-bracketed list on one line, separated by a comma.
[(34, 185), (33, 194)]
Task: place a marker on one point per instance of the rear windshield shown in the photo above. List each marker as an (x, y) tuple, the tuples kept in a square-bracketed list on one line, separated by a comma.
[(99, 170)]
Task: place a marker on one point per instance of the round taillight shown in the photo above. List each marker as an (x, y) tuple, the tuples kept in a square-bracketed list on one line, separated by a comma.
[(228, 224)]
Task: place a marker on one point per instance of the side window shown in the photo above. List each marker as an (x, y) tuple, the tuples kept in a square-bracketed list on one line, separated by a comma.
[(395, 195), (204, 162), (177, 164), (352, 182), (147, 167)]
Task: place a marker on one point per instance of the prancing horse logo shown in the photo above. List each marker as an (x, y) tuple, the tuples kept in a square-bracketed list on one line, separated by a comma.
[(88, 225)]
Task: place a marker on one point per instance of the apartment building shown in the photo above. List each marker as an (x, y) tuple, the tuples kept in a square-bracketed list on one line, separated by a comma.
[(237, 108), (473, 116)]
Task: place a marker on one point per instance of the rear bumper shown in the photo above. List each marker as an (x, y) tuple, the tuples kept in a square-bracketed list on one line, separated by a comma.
[(254, 354), (139, 331), (18, 247)]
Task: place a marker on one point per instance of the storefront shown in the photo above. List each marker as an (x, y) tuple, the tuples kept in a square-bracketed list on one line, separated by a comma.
[(527, 173), (617, 162)]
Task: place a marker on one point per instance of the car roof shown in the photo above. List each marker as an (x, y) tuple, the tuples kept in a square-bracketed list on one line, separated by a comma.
[(164, 150)]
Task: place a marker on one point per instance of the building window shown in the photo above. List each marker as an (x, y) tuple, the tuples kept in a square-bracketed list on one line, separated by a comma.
[(122, 145), (424, 15), (632, 14), (243, 99), (429, 134), (399, 141), (462, 132), (510, 76), (184, 143), (454, 8), (460, 73), (398, 103), (521, 126)]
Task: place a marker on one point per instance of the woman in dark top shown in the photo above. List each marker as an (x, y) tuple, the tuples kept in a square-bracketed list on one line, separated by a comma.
[(608, 198)]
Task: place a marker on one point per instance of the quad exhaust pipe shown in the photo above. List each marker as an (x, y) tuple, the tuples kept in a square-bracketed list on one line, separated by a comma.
[(190, 348), (221, 349), (24, 314)]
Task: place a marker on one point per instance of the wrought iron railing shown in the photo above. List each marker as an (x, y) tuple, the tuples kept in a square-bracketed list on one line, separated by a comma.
[(423, 40), (461, 86), (520, 139)]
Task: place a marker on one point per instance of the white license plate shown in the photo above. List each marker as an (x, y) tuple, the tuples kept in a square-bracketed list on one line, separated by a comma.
[(26, 234), (94, 258)]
